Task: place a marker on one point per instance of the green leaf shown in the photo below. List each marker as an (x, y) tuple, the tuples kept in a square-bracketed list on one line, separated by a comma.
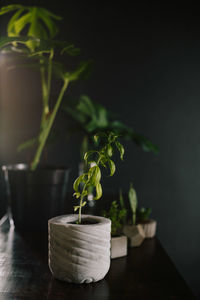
[(21, 23), (109, 150), (143, 214), (11, 23), (94, 175), (96, 138), (37, 22), (5, 41), (86, 106), (103, 161), (27, 144), (78, 72), (121, 199), (71, 50), (112, 137), (89, 153), (76, 207), (133, 202), (83, 204), (99, 135), (111, 166), (120, 148), (73, 113), (9, 8), (98, 191), (77, 195), (50, 24), (77, 182)]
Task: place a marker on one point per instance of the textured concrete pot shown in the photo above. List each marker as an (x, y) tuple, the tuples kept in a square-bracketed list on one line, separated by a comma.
[(79, 253), (119, 246), (135, 234), (149, 228)]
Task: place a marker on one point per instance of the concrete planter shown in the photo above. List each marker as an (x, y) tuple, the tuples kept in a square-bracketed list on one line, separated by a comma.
[(118, 246), (149, 228), (135, 234), (79, 253)]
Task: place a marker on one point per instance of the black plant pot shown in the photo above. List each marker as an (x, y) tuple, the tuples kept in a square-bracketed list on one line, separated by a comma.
[(36, 196)]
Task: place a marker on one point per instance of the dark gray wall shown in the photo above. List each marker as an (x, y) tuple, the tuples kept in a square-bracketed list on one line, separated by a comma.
[(146, 69)]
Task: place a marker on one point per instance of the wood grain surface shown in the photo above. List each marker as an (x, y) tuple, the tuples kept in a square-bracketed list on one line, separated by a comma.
[(146, 273)]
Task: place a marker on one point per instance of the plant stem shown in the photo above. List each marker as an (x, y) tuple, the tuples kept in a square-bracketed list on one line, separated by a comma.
[(80, 204), (45, 131), (49, 74), (46, 87), (79, 211), (134, 218), (82, 197), (44, 95)]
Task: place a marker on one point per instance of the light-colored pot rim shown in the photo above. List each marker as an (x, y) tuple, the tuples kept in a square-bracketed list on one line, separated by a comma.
[(66, 219)]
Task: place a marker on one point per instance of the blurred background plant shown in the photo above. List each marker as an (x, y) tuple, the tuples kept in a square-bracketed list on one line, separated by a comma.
[(143, 214), (30, 34), (134, 214), (117, 216), (88, 116)]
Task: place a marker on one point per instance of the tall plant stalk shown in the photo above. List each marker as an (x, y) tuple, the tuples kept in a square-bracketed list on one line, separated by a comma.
[(39, 27)]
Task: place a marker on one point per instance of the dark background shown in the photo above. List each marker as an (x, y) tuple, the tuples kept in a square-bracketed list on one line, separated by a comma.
[(147, 70)]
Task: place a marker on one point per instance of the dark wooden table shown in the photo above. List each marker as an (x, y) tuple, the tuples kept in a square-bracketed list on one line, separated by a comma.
[(146, 273)]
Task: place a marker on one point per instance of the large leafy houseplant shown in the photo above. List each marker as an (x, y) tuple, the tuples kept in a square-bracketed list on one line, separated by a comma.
[(30, 36), (86, 117), (89, 116), (83, 254), (30, 33)]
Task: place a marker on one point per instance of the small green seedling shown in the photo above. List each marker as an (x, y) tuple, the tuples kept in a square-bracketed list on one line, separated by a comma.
[(133, 203), (95, 161), (117, 216)]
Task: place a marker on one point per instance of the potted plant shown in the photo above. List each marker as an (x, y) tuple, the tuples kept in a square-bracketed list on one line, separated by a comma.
[(87, 116), (117, 216), (141, 225), (133, 231), (30, 37), (79, 245), (149, 225)]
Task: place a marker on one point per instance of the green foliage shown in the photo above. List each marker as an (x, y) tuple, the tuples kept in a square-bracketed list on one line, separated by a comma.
[(95, 161), (30, 31), (91, 117), (117, 216), (139, 215), (37, 22), (133, 203), (143, 214)]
